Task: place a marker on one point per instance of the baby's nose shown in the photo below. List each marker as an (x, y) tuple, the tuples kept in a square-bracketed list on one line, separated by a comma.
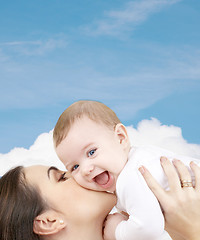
[(87, 169)]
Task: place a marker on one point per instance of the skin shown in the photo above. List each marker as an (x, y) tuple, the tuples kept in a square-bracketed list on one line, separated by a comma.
[(75, 212), (181, 206), (94, 154)]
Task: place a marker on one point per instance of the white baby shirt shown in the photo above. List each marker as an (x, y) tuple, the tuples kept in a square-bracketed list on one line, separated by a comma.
[(146, 221)]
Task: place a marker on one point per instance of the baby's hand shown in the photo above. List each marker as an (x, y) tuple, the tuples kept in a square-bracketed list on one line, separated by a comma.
[(110, 225)]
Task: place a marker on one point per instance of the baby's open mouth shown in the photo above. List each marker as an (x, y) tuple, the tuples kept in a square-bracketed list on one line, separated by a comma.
[(104, 179)]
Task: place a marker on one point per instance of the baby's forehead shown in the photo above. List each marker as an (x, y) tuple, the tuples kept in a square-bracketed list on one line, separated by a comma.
[(87, 120)]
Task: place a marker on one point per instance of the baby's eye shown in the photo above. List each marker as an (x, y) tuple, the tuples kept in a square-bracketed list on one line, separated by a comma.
[(91, 152), (75, 167), (62, 177)]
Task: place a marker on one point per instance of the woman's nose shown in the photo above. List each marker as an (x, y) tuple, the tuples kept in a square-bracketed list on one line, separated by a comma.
[(87, 169)]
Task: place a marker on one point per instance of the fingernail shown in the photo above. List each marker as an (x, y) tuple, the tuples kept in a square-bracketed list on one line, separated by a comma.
[(193, 163), (142, 169), (162, 159), (175, 160)]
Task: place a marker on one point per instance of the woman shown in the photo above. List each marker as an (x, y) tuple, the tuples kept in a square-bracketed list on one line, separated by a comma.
[(43, 203), (181, 205), (40, 202)]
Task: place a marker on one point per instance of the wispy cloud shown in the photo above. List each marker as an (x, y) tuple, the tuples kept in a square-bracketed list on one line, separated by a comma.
[(133, 13), (20, 43), (3, 57), (134, 90), (34, 48)]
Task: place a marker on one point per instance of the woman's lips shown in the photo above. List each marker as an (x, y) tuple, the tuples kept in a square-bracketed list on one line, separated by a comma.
[(104, 179)]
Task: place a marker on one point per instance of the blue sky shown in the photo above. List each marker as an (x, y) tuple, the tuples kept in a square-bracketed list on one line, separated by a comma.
[(141, 58)]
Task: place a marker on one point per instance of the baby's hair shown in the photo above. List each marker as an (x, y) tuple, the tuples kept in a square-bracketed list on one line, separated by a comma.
[(94, 110)]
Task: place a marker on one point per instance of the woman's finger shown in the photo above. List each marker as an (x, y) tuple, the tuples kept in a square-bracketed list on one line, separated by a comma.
[(196, 169), (184, 174), (155, 187), (170, 172)]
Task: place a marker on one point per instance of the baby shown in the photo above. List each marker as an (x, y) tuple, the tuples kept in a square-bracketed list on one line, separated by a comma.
[(94, 146)]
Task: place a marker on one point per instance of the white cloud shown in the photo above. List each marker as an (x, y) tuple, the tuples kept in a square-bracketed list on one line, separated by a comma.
[(148, 132), (41, 152), (34, 48), (164, 136), (134, 13)]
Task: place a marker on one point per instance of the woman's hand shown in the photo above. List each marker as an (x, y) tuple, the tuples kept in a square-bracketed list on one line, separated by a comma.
[(181, 204)]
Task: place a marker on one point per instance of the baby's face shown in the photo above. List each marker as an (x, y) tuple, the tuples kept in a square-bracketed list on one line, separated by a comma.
[(94, 154)]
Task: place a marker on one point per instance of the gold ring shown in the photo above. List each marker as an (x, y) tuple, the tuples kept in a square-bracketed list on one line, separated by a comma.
[(186, 183)]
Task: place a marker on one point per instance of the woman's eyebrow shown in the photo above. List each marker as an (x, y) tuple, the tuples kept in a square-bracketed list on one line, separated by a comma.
[(51, 168)]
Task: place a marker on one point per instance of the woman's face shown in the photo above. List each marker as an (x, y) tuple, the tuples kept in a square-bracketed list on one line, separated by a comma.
[(63, 194)]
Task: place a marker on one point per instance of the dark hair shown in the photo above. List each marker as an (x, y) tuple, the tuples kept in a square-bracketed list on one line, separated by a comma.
[(20, 204)]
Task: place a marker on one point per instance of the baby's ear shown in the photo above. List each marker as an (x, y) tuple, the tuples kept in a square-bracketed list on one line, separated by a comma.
[(48, 223), (121, 132)]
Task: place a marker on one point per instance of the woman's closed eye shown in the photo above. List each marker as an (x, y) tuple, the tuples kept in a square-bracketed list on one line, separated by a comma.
[(62, 177), (91, 152)]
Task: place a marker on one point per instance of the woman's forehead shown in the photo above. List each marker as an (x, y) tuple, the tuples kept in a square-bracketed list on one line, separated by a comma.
[(35, 172), (40, 168), (39, 172)]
